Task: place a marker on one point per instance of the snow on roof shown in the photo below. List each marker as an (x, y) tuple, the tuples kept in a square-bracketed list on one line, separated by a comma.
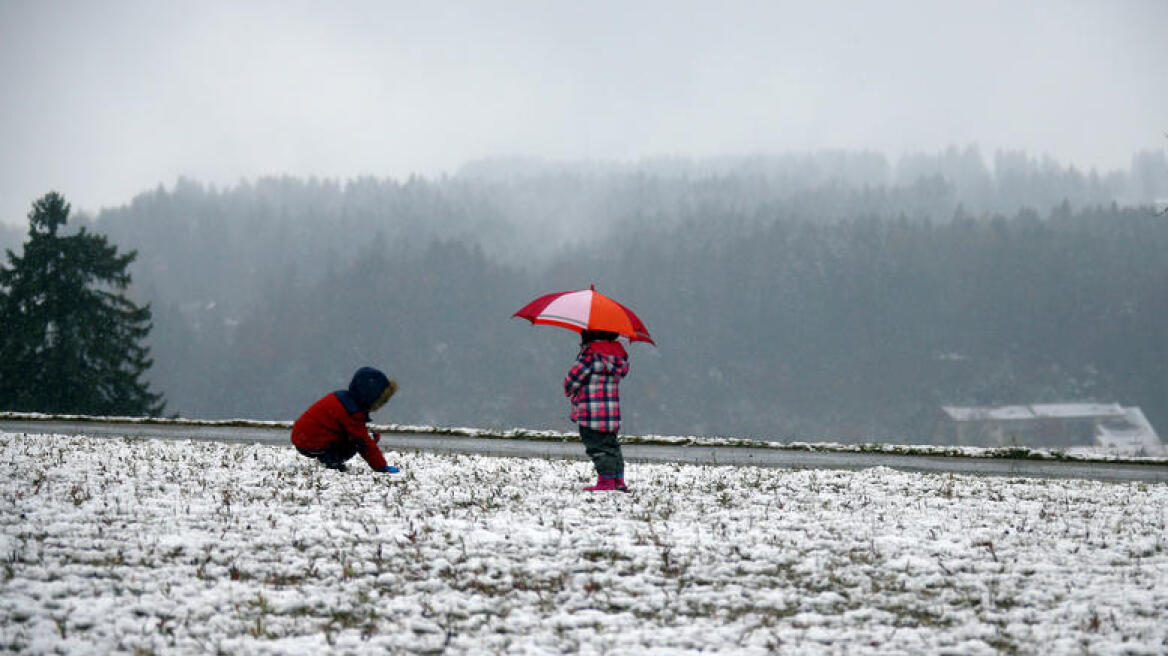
[(1034, 411), (1000, 413), (1076, 410)]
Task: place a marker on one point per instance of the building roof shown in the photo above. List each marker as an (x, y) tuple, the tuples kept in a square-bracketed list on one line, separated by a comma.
[(1117, 429), (1034, 411), (1076, 410)]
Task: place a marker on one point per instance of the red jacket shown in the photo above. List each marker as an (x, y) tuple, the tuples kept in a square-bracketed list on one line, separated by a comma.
[(327, 424)]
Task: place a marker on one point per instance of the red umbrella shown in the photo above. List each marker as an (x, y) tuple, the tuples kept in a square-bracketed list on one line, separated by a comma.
[(586, 309)]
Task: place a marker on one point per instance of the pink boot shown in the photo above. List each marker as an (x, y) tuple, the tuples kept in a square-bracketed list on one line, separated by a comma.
[(602, 485), (620, 484)]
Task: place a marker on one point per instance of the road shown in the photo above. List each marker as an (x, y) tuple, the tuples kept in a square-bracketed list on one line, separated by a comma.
[(706, 455)]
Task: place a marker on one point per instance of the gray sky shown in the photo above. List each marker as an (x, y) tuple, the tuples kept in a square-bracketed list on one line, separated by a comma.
[(104, 99)]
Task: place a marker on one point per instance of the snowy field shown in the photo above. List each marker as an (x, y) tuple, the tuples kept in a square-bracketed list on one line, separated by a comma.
[(118, 545)]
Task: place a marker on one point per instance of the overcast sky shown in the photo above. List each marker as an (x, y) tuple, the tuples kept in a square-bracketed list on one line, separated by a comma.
[(104, 99)]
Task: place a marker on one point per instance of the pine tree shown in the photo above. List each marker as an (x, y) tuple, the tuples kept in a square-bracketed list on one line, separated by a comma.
[(71, 342)]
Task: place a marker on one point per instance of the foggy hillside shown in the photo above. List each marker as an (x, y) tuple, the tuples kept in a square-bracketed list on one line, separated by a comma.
[(830, 295)]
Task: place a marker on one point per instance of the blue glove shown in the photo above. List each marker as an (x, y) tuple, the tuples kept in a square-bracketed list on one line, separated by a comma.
[(388, 469)]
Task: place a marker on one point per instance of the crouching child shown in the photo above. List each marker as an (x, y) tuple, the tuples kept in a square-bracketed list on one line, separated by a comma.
[(333, 429)]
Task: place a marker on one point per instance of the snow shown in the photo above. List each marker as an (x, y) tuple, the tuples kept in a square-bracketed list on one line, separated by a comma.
[(194, 547), (1080, 454), (1003, 413), (1035, 411)]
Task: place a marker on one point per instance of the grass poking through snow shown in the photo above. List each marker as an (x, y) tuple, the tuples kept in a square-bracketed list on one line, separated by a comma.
[(184, 547)]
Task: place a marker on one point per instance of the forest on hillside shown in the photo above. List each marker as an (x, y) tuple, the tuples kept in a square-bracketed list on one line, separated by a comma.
[(828, 296)]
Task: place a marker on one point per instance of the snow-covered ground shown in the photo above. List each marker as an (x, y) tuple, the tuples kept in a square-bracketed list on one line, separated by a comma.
[(1079, 454), (195, 547)]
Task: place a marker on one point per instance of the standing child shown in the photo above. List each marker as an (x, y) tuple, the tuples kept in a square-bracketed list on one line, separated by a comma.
[(333, 429), (593, 384)]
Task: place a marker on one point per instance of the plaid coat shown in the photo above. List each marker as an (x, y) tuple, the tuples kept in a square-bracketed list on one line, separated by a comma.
[(593, 385)]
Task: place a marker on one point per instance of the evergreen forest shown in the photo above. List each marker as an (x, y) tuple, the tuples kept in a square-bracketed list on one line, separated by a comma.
[(829, 296)]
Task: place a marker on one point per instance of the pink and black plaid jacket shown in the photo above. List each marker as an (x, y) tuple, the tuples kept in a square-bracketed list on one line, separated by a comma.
[(593, 384)]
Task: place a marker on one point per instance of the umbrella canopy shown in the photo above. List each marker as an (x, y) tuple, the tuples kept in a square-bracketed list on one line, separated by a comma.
[(586, 309)]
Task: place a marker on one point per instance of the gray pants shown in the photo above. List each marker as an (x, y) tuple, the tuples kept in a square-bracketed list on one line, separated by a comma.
[(605, 451)]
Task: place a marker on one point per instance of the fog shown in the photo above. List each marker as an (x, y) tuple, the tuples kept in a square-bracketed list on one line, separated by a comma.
[(833, 220), (104, 100)]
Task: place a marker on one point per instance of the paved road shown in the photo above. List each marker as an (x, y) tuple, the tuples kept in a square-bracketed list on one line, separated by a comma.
[(636, 452)]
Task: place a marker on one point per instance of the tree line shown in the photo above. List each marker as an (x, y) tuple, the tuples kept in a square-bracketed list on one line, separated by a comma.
[(825, 308), (782, 328)]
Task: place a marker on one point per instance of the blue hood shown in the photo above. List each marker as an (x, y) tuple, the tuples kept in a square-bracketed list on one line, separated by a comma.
[(367, 384)]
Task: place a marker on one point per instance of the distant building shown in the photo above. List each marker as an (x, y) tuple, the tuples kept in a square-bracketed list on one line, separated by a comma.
[(1071, 427)]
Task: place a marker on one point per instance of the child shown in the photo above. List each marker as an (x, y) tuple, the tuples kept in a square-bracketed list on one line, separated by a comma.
[(593, 384), (333, 429)]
